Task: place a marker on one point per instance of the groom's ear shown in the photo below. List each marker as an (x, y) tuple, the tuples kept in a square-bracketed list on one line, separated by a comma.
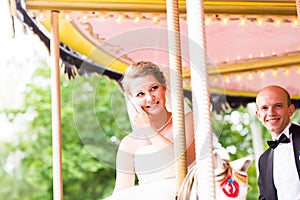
[(291, 109)]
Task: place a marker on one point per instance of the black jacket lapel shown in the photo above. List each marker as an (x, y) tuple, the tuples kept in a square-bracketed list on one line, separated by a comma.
[(272, 190), (295, 130)]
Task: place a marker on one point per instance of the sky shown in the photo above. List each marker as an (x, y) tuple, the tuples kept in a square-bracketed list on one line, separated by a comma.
[(18, 56)]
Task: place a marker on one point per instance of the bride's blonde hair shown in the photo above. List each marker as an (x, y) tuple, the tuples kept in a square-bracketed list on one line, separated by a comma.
[(141, 69)]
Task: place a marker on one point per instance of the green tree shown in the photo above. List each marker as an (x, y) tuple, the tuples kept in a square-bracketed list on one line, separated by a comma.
[(232, 128), (88, 144)]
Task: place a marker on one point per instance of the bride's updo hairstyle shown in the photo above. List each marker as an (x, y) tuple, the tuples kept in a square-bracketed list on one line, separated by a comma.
[(141, 69)]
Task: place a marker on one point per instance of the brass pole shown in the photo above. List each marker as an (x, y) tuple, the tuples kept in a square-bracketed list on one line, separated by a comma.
[(177, 97), (56, 108)]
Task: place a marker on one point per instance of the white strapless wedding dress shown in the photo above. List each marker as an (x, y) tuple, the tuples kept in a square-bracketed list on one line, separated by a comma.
[(156, 175)]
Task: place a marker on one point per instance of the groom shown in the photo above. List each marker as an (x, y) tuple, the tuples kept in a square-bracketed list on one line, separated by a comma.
[(279, 165)]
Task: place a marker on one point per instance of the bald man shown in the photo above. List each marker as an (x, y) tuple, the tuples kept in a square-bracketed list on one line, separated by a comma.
[(279, 165)]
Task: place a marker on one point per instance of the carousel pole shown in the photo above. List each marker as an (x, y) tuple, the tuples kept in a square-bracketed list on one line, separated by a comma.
[(201, 100), (298, 10), (8, 15), (56, 115), (177, 96)]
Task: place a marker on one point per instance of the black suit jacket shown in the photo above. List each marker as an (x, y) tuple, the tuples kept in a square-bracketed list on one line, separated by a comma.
[(265, 180)]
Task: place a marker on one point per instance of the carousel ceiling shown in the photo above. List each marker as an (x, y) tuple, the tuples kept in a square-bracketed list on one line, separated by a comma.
[(249, 44)]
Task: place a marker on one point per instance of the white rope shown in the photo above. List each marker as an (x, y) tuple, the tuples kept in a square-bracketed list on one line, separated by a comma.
[(201, 100), (56, 115), (177, 96)]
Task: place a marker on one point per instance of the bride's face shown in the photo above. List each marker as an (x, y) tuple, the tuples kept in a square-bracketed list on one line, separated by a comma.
[(148, 93)]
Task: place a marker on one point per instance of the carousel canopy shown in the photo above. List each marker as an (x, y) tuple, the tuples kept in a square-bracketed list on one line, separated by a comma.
[(250, 44)]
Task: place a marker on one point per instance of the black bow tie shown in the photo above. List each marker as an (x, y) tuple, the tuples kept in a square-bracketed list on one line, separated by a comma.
[(283, 138)]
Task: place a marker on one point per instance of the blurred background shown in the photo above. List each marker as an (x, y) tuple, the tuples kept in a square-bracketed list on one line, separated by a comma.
[(88, 146)]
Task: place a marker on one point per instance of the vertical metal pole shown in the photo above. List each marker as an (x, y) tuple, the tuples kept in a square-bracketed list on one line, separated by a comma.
[(298, 10), (56, 115), (256, 132), (201, 100), (177, 97)]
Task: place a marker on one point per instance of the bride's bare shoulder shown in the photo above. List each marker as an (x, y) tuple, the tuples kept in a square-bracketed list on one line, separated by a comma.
[(132, 142)]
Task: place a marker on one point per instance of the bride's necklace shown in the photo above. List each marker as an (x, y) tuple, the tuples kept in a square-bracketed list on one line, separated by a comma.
[(163, 126)]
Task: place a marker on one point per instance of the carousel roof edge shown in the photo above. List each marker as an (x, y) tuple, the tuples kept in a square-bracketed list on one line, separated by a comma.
[(264, 7), (74, 62)]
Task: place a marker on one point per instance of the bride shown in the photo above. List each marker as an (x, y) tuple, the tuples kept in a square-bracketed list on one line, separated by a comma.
[(147, 153)]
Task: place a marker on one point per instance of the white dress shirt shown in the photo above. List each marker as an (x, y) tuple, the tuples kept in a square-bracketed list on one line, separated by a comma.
[(285, 173)]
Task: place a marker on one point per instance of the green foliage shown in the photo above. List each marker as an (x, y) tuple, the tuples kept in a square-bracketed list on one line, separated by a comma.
[(88, 124), (233, 131), (296, 117)]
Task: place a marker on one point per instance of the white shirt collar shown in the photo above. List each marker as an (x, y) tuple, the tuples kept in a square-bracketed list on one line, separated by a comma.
[(285, 131)]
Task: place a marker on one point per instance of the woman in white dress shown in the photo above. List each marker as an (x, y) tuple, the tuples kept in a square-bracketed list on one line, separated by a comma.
[(148, 152)]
